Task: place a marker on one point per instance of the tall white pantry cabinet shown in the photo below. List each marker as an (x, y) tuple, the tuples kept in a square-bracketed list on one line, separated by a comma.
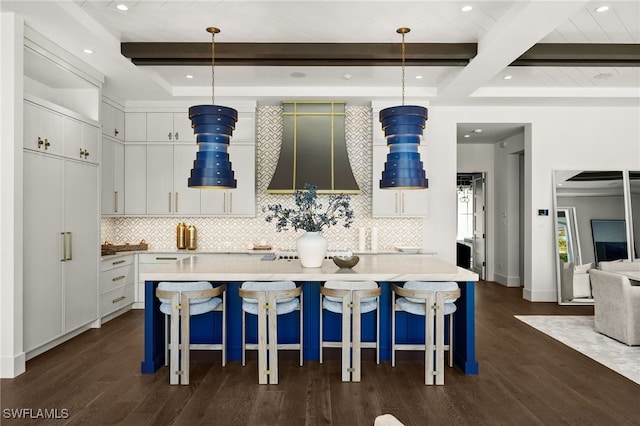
[(61, 198)]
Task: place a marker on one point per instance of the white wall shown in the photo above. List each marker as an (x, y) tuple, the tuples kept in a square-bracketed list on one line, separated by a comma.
[(507, 210), (12, 360), (558, 138)]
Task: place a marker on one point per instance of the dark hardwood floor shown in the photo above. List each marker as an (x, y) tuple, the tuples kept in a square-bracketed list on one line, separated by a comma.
[(526, 378)]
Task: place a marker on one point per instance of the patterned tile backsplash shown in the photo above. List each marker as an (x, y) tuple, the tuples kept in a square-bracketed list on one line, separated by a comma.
[(221, 233)]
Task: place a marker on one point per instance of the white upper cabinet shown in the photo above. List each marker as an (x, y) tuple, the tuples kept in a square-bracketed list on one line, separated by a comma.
[(81, 141), (51, 132), (135, 126), (168, 167), (135, 179), (112, 167), (112, 122), (395, 202), (43, 129), (169, 126), (240, 201)]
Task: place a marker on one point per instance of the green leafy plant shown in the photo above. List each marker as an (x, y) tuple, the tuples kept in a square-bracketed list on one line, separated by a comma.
[(310, 214)]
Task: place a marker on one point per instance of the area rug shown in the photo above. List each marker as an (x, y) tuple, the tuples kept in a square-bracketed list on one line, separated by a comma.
[(578, 332)]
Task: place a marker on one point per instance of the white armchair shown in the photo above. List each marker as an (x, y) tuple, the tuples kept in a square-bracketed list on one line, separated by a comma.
[(616, 306), (575, 281)]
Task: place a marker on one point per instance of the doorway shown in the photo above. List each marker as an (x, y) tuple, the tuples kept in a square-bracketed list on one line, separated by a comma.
[(471, 214)]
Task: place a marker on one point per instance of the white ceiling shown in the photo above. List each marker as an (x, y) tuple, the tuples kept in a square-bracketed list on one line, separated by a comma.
[(503, 30)]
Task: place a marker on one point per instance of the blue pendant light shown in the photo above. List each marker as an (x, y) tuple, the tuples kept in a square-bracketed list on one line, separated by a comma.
[(213, 126), (403, 126)]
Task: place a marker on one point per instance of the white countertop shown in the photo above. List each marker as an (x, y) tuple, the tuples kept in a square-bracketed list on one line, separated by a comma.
[(250, 252), (378, 267)]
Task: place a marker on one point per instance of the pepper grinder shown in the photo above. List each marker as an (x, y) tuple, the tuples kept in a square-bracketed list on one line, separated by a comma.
[(191, 238), (181, 240)]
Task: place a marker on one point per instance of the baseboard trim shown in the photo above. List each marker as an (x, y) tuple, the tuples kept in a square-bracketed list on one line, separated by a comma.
[(11, 367), (507, 281)]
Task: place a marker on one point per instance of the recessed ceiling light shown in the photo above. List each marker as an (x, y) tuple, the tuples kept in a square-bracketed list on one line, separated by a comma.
[(122, 7), (507, 77), (189, 76), (466, 8), (297, 74), (477, 130), (418, 77), (602, 9), (87, 51), (467, 136)]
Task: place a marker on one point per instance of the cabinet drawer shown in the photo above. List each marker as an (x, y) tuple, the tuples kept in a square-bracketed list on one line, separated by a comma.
[(116, 299), (116, 262), (115, 278), (159, 258)]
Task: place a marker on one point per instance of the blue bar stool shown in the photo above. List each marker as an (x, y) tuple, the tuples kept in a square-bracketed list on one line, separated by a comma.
[(351, 299), (432, 300), (267, 300), (181, 300)]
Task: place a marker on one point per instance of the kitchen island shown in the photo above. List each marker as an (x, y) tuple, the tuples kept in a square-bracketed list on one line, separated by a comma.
[(384, 269)]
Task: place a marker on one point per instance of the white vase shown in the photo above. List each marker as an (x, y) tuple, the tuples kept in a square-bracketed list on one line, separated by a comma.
[(312, 248)]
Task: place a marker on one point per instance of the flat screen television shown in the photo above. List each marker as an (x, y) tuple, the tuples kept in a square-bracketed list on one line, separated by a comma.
[(609, 239)]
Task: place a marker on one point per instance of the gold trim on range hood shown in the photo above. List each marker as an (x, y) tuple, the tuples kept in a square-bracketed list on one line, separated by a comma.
[(313, 149)]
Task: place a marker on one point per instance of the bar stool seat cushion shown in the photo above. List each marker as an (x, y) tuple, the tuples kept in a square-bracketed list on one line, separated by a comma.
[(281, 307), (432, 286), (336, 307), (195, 308), (185, 286), (418, 308)]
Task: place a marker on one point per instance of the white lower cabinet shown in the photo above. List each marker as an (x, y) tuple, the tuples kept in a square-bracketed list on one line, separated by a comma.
[(61, 231), (117, 281), (147, 261)]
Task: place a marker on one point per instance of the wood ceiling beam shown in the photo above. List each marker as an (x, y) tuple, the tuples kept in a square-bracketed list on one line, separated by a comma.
[(300, 54), (581, 55), (372, 54)]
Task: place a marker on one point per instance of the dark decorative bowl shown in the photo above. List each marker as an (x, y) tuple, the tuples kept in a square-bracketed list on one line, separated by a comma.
[(346, 262)]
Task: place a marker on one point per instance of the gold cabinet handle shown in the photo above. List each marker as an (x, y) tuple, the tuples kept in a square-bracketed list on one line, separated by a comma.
[(224, 202), (70, 235), (396, 201), (118, 299), (40, 142), (64, 246), (115, 202), (176, 210), (169, 202), (46, 144), (82, 152), (117, 262), (121, 277), (86, 153), (402, 205), (231, 202)]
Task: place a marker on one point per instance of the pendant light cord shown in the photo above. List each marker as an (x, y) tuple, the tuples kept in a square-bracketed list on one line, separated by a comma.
[(213, 62), (403, 68)]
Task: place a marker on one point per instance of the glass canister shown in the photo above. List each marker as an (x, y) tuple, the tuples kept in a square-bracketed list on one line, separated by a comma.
[(181, 236), (192, 238)]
